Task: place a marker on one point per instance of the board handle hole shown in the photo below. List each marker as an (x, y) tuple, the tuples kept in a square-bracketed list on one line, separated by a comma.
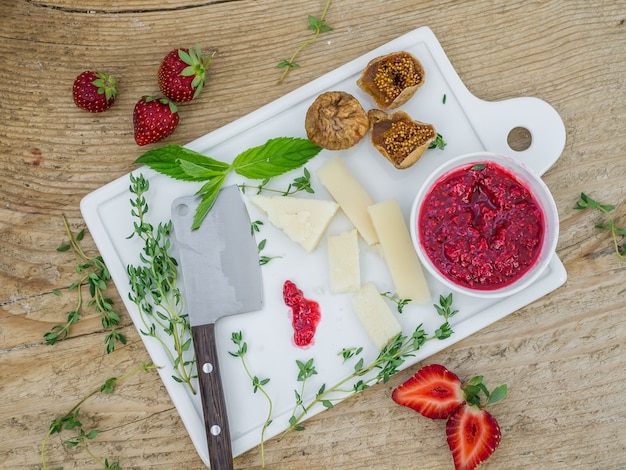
[(519, 139)]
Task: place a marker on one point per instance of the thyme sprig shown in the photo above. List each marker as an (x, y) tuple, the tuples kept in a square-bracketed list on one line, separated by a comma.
[(444, 309), (301, 183), (318, 26), (95, 274), (70, 421), (617, 234), (400, 303), (257, 385), (154, 288)]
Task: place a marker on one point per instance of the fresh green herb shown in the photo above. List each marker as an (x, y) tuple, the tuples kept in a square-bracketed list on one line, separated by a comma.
[(256, 226), (444, 309), (438, 143), (94, 273), (397, 351), (318, 26), (400, 303), (443, 100), (70, 422), (306, 370), (476, 385), (154, 288), (257, 385), (479, 166), (273, 158), (263, 259), (617, 233), (302, 183), (349, 353)]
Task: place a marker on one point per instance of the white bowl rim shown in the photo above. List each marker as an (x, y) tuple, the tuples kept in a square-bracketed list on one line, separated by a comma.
[(540, 191)]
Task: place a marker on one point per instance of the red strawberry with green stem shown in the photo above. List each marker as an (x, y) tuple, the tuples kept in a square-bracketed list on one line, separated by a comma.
[(472, 433), (182, 74), (154, 119), (94, 91)]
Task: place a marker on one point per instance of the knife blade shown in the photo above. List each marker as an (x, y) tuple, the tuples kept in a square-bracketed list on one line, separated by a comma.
[(221, 276)]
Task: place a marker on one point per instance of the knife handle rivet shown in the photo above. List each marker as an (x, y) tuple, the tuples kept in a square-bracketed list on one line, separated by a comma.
[(215, 430), (207, 367)]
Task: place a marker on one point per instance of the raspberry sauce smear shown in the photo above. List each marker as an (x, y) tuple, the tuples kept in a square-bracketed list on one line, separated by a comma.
[(481, 227), (305, 314)]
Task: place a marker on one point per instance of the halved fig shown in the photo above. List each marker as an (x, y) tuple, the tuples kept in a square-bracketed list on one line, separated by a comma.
[(400, 139), (336, 120), (392, 79)]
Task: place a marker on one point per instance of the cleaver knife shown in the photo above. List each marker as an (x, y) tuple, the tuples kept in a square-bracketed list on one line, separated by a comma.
[(221, 274)]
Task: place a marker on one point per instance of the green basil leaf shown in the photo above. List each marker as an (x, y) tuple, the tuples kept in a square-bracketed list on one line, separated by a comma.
[(275, 157), (167, 160)]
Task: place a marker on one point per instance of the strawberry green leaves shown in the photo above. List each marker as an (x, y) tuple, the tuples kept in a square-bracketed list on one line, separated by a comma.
[(273, 158)]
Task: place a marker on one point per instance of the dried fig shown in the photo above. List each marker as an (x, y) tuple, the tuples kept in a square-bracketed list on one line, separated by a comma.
[(336, 120), (400, 139), (392, 79)]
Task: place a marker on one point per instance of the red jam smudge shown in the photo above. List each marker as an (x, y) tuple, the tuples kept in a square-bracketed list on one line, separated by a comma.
[(305, 314), (481, 227)]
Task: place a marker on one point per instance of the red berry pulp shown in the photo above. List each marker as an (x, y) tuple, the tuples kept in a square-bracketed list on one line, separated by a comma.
[(481, 227)]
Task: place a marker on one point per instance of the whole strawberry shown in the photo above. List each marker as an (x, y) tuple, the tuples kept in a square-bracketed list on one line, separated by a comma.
[(94, 91), (182, 74), (154, 119)]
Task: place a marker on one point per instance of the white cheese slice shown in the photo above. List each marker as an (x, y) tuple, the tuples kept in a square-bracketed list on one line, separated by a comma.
[(351, 196), (375, 315), (398, 252), (343, 262), (303, 220)]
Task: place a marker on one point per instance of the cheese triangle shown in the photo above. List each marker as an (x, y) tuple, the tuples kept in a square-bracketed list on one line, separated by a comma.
[(303, 220)]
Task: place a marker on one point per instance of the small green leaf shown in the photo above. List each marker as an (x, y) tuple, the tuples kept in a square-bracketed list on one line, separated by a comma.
[(498, 393), (209, 194), (167, 160), (275, 157)]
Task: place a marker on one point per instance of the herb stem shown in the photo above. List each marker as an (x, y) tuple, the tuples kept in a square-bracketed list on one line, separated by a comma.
[(154, 287), (237, 339), (318, 26), (69, 419)]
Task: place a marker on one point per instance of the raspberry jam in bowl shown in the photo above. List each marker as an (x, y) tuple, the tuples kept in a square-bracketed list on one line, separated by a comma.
[(485, 225)]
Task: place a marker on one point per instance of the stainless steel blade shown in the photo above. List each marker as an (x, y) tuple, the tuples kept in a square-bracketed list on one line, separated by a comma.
[(219, 261)]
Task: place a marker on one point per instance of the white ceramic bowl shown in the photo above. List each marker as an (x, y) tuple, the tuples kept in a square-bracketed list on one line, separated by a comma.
[(525, 177)]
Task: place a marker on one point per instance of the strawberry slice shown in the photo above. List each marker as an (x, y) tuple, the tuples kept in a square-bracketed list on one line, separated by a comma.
[(473, 435), (433, 391)]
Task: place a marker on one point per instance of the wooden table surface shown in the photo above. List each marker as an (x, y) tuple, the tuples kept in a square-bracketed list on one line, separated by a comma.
[(563, 356)]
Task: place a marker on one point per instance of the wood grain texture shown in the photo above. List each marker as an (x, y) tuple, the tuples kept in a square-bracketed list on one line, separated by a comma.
[(563, 356)]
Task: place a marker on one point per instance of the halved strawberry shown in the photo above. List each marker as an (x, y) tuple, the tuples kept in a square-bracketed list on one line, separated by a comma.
[(433, 391), (473, 435)]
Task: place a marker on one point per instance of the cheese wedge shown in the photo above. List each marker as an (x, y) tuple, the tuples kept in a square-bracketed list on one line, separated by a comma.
[(303, 220), (375, 315), (350, 195), (402, 261), (343, 262)]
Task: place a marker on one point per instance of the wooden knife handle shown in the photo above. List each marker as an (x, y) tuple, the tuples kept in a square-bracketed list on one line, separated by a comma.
[(212, 393)]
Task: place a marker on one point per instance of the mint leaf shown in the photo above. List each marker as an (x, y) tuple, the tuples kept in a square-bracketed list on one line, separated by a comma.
[(209, 194), (167, 160), (275, 157), (199, 172)]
